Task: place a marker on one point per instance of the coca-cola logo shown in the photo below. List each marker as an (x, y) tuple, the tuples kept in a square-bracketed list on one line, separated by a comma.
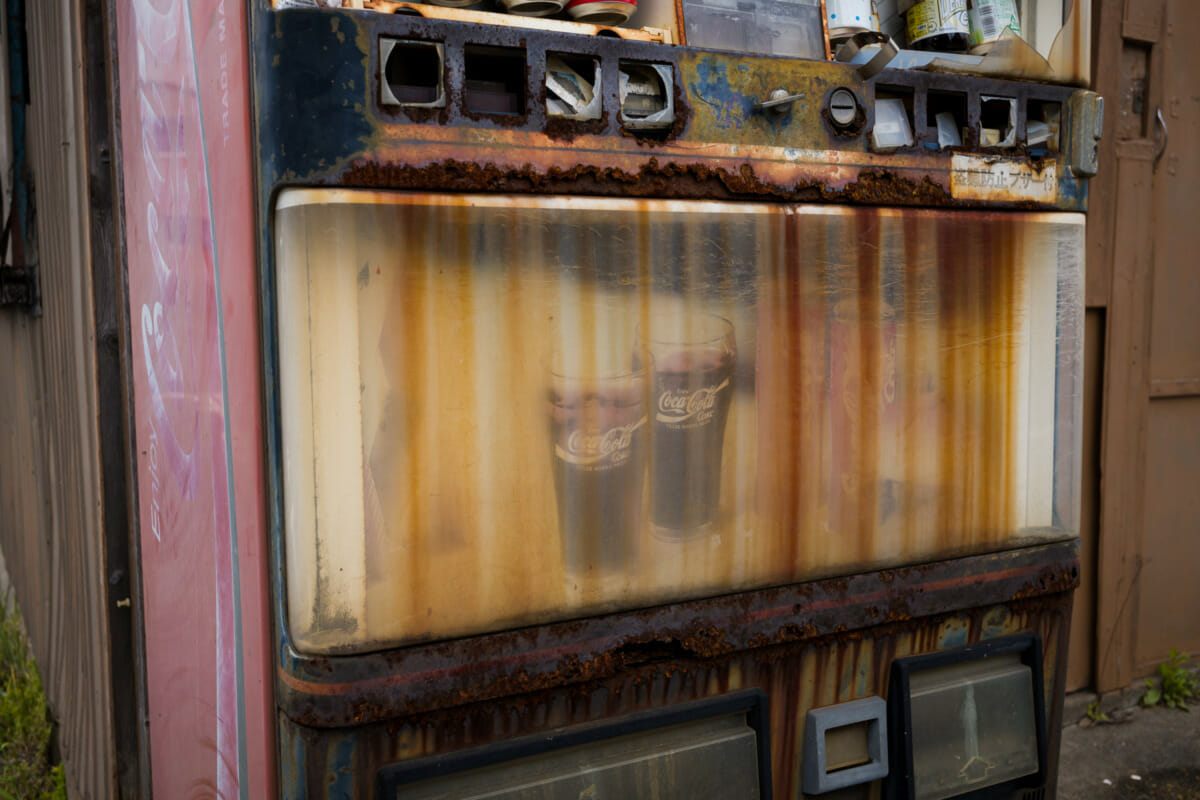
[(698, 405), (599, 448)]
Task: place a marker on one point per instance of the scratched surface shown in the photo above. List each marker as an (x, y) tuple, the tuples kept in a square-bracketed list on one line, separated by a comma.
[(500, 411), (818, 671), (189, 234), (719, 146)]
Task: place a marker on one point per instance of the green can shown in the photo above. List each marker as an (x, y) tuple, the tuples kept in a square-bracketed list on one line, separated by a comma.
[(988, 19)]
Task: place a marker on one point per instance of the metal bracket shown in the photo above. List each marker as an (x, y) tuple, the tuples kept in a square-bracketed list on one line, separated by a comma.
[(887, 51), (1085, 125)]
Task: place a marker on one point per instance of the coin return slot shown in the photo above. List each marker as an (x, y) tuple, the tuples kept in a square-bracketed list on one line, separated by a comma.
[(846, 747), (412, 74), (946, 117), (495, 80), (1042, 123), (893, 118), (997, 121), (647, 98), (572, 87)]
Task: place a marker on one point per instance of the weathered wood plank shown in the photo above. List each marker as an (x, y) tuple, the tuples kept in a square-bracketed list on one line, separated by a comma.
[(1106, 74), (1126, 390), (50, 525)]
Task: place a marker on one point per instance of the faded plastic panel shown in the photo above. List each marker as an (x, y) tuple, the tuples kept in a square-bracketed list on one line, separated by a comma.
[(500, 411), (714, 759), (766, 27), (972, 726)]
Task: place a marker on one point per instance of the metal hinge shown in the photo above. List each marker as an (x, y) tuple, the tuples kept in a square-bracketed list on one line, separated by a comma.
[(19, 288), (19, 284)]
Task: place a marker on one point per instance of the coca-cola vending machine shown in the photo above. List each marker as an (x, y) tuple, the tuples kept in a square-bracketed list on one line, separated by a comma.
[(674, 399)]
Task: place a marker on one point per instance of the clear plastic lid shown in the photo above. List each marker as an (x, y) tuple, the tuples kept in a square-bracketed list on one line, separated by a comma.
[(501, 411)]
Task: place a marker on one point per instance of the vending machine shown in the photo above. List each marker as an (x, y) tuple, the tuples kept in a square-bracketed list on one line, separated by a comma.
[(609, 400)]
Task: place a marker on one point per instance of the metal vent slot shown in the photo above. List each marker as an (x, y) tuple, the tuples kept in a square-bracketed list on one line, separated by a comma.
[(412, 74), (997, 121), (572, 87), (647, 99), (495, 79), (946, 117), (1043, 120)]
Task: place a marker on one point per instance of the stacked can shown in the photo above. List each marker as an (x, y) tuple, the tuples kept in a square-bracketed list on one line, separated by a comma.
[(989, 19), (848, 17), (939, 25)]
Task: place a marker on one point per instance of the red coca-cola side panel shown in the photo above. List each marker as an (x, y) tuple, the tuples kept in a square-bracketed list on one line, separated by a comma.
[(196, 372)]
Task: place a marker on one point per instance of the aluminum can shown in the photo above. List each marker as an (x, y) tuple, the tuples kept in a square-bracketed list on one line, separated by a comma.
[(601, 12), (848, 17), (938, 25), (532, 8), (988, 19)]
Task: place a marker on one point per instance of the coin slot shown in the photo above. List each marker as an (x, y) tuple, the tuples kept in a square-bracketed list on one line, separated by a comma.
[(412, 74), (1043, 121), (646, 93), (843, 108), (997, 121), (946, 116), (572, 86), (494, 79)]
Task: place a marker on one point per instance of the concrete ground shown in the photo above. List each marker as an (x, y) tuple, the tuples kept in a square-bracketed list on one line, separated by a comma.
[(1139, 754)]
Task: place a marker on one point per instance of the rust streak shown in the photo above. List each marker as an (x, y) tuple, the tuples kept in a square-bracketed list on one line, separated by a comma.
[(653, 179)]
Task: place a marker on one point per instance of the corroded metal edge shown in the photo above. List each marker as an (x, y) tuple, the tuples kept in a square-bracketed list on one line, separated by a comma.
[(345, 690)]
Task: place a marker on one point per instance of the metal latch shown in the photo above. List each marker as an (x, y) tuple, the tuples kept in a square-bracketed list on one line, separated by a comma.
[(1085, 125), (778, 102)]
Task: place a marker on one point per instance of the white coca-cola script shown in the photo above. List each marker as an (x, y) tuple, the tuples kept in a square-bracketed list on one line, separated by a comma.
[(599, 448), (681, 405)]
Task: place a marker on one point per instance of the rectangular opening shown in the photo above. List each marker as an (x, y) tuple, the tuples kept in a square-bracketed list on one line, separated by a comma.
[(846, 746), (893, 117), (997, 121), (716, 749), (412, 73), (646, 94), (1043, 120), (572, 86), (946, 115), (495, 79)]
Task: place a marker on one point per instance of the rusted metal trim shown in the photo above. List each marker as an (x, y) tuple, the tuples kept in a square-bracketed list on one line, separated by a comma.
[(679, 22), (825, 32), (332, 691)]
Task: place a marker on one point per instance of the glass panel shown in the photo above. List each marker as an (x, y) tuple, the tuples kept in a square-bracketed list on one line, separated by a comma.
[(712, 759), (501, 411), (972, 726)]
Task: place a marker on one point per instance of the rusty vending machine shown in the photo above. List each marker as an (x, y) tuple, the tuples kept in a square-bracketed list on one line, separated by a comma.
[(670, 399)]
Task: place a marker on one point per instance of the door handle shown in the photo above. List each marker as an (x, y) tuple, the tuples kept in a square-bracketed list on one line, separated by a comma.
[(1161, 129)]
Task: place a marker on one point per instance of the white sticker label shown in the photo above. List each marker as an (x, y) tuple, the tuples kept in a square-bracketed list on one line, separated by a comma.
[(1002, 180)]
